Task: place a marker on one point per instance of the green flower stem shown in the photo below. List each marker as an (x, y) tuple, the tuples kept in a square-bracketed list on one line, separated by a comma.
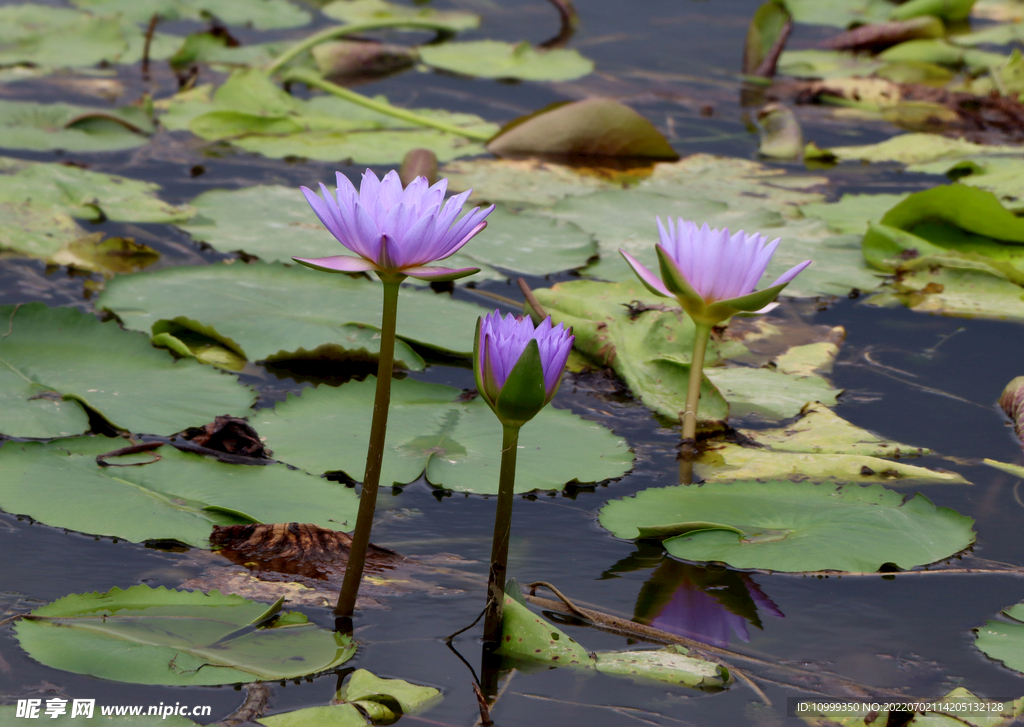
[(700, 346), (374, 455), (339, 31), (502, 531), (310, 78)]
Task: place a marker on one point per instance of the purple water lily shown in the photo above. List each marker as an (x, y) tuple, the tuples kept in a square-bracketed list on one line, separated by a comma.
[(395, 231), (713, 274), (501, 343)]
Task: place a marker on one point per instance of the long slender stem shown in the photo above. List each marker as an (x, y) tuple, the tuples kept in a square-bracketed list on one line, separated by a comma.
[(700, 346), (304, 75), (502, 531), (339, 31), (374, 456)]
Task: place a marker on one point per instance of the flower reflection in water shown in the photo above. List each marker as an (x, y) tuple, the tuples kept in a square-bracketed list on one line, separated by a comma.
[(702, 604)]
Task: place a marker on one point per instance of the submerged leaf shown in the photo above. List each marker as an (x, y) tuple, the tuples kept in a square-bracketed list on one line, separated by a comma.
[(797, 526), (146, 635)]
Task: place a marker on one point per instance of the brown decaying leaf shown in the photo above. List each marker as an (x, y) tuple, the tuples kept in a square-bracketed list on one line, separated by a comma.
[(878, 36), (991, 119), (226, 434), (306, 564)]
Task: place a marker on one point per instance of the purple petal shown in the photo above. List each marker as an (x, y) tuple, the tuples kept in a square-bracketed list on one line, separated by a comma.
[(649, 279), (434, 273), (337, 264), (457, 245), (323, 212), (790, 274)]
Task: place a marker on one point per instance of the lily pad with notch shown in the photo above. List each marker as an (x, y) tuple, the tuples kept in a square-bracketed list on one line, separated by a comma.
[(118, 377), (176, 496), (146, 635), (793, 526), (272, 312), (434, 430), (1004, 640)]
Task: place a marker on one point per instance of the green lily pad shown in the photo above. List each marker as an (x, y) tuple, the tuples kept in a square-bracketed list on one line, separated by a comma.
[(369, 11), (251, 112), (852, 213), (1004, 640), (528, 639), (146, 635), (116, 374), (496, 59), (520, 181), (821, 431), (430, 429), (335, 715), (814, 63), (1003, 175), (955, 292), (85, 194), (915, 149), (727, 462), (769, 395), (1002, 34), (839, 13), (794, 526), (949, 10), (178, 498), (648, 345), (648, 341), (58, 37), (280, 225), (36, 230), (265, 311), (958, 708), (45, 127), (260, 14)]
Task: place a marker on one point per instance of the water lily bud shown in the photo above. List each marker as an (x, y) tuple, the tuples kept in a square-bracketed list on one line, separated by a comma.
[(711, 273), (518, 367), (418, 163), (395, 232), (1012, 402)]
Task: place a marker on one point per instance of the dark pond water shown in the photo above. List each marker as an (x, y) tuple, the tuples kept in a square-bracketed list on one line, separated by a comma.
[(936, 387)]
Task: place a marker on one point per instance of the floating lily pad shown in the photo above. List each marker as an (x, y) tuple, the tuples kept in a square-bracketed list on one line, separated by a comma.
[(520, 181), (792, 526), (727, 462), (1003, 175), (36, 230), (530, 639), (839, 13), (918, 149), (260, 14), (58, 37), (852, 213), (955, 292), (648, 341), (430, 429), (146, 635), (264, 311), (116, 374), (369, 11), (45, 127), (280, 225), (814, 63), (178, 498), (251, 112), (770, 395), (1004, 640), (85, 194), (496, 59)]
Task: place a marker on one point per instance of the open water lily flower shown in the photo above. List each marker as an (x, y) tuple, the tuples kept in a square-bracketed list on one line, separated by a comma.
[(711, 273), (518, 367), (395, 232)]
